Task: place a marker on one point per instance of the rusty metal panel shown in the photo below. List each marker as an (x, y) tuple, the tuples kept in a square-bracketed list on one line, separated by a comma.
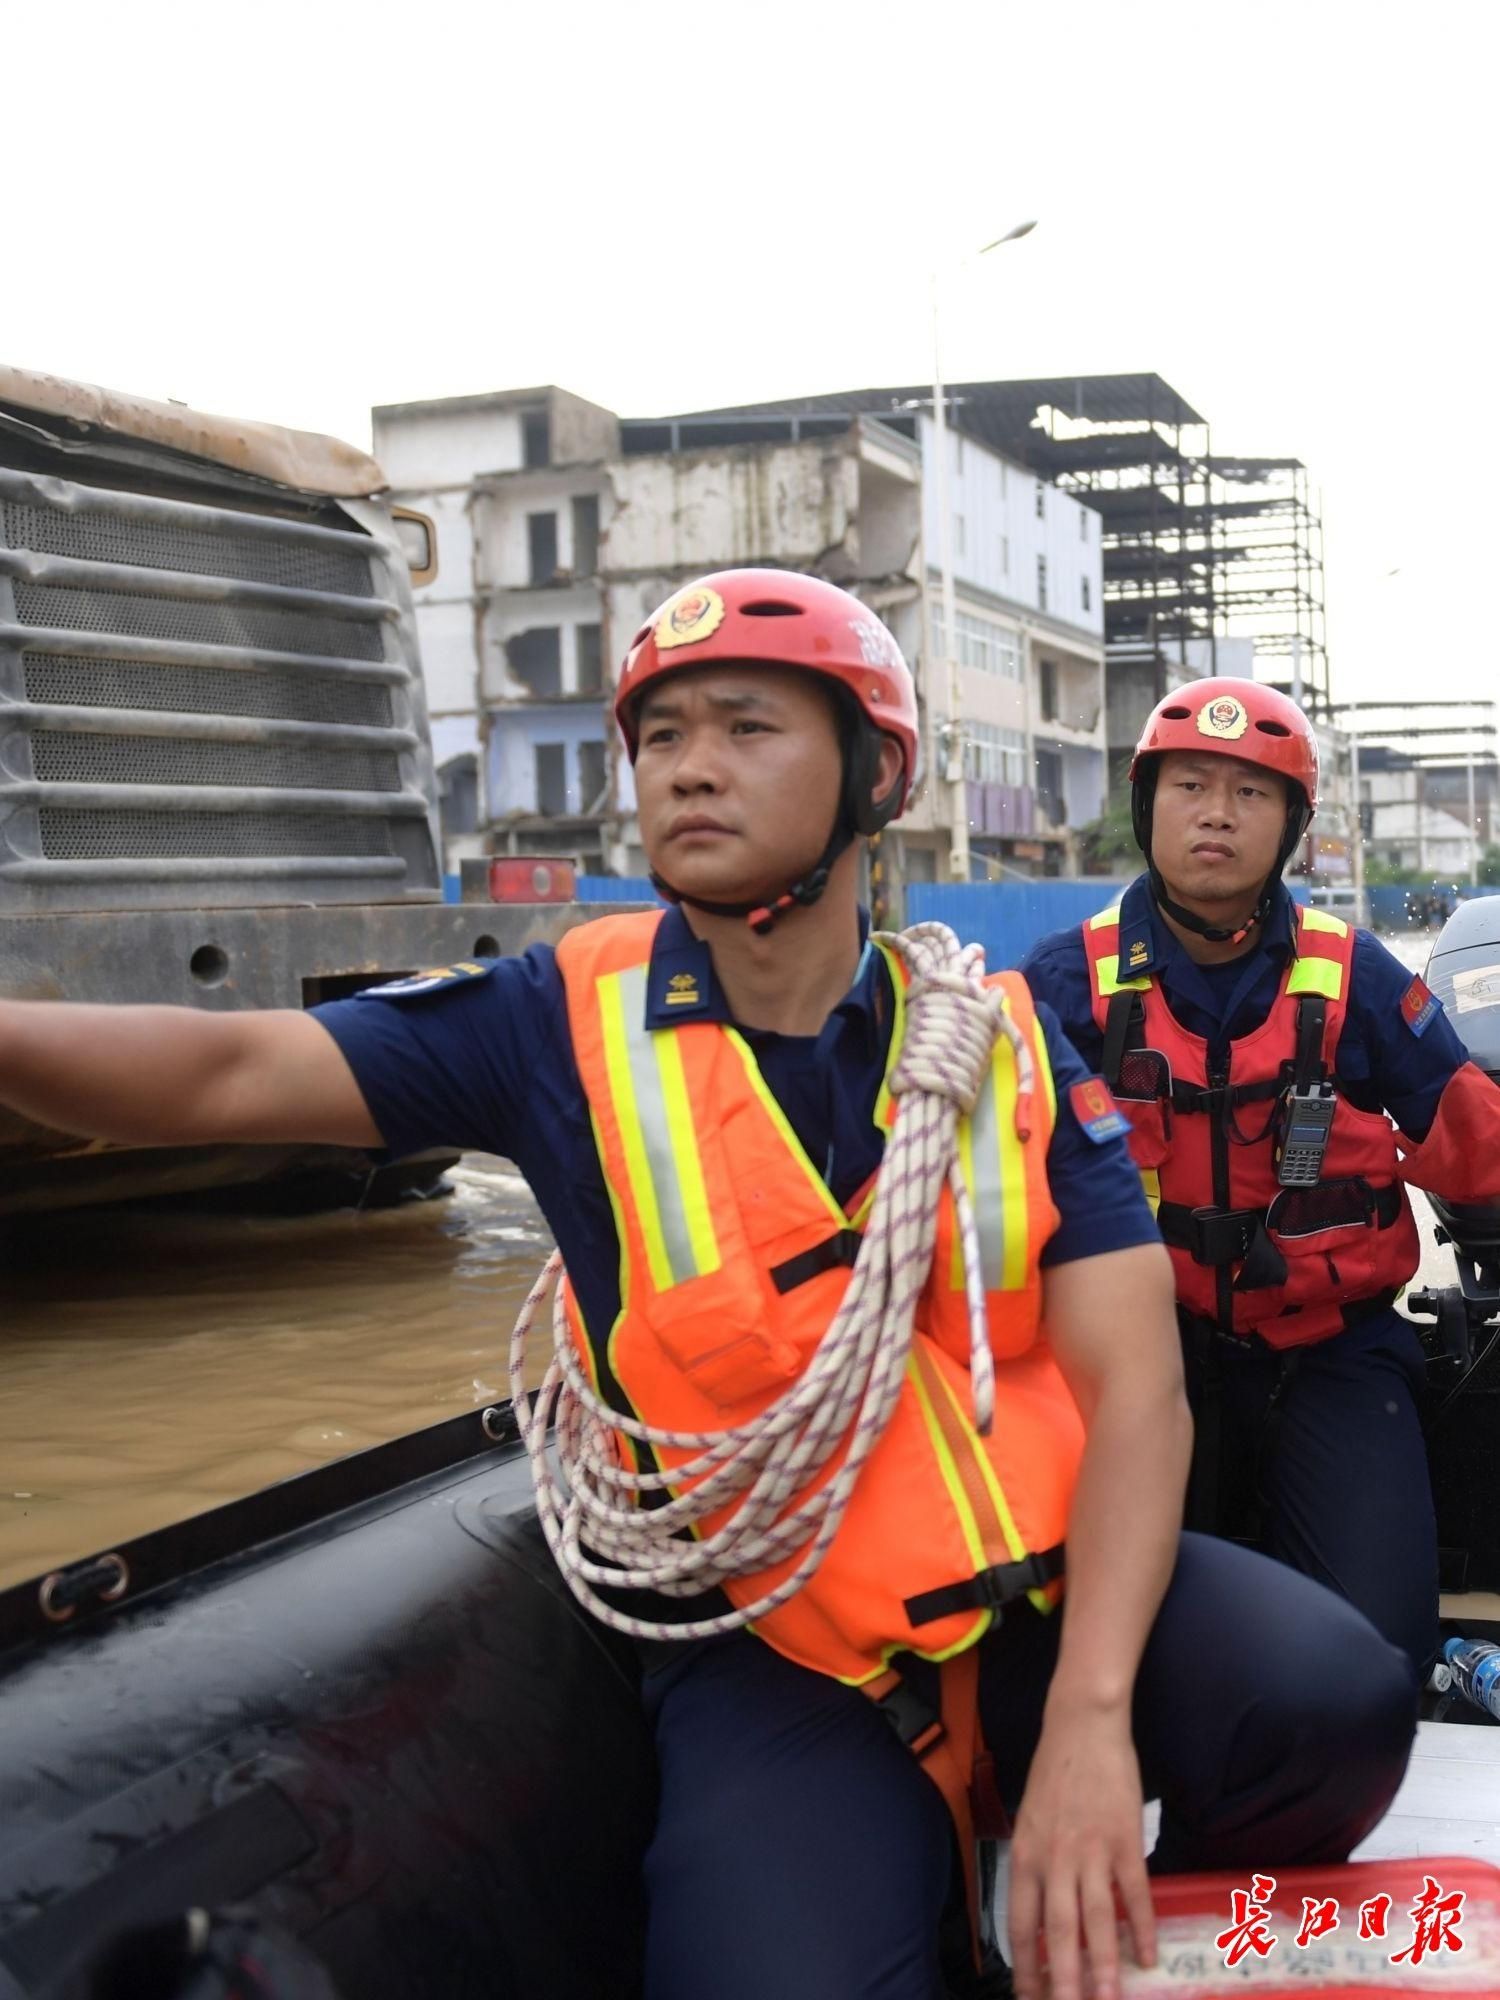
[(301, 459)]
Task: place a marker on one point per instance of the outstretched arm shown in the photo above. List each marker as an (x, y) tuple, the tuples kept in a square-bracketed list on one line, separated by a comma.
[(165, 1076), (1112, 1325)]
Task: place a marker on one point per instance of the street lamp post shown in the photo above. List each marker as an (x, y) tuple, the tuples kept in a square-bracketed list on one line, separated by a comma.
[(958, 853)]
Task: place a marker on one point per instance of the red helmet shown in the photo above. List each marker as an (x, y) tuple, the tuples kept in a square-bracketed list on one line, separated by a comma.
[(1241, 719), (1236, 718), (780, 618)]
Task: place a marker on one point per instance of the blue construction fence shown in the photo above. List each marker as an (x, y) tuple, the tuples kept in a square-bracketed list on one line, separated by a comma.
[(1007, 918), (616, 889)]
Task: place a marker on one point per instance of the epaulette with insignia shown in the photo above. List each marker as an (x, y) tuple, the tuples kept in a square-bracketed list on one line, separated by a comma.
[(432, 980)]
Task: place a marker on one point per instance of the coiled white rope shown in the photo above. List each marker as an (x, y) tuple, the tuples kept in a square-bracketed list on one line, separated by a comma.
[(598, 1532)]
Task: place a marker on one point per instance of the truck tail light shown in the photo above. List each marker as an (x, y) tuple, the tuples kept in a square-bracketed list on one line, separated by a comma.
[(522, 881)]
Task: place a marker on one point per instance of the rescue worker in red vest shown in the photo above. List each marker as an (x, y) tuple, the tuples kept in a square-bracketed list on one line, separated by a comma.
[(1256, 1046), (701, 1097)]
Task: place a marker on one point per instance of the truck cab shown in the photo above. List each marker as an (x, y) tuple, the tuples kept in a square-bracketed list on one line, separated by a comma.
[(216, 777)]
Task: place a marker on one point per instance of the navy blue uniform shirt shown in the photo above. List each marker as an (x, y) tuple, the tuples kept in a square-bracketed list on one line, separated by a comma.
[(484, 1060), (1382, 1062)]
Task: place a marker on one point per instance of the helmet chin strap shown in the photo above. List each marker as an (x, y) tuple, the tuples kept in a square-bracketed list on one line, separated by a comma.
[(761, 915), (1190, 920)]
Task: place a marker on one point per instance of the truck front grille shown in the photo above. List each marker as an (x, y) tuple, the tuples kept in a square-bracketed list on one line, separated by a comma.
[(68, 758), (187, 688), (138, 684), (152, 544), (100, 836), (199, 624)]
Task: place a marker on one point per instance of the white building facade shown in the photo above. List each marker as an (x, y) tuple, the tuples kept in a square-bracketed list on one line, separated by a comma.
[(510, 624), (1029, 619), (554, 542)]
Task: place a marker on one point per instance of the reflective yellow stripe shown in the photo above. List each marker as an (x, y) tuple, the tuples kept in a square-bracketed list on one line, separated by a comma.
[(627, 1113), (983, 1207), (996, 1174), (1151, 1187), (779, 1119), (993, 1163), (1043, 1063), (641, 1457), (684, 1141), (1105, 918), (1317, 975), (999, 1536), (861, 1215), (951, 1478), (1319, 920), (1107, 971), (898, 1035), (649, 1093)]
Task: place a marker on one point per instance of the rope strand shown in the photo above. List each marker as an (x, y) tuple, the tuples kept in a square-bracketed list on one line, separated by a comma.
[(843, 1400)]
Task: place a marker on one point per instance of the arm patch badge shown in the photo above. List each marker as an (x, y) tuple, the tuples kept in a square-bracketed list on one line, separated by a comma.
[(1418, 1005), (1099, 1117)]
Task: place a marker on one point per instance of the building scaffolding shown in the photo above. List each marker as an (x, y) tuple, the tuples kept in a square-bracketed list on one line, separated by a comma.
[(1197, 546)]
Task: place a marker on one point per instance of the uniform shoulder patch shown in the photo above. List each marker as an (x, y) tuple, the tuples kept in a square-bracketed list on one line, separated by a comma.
[(1418, 1006), (1099, 1117), (432, 981)]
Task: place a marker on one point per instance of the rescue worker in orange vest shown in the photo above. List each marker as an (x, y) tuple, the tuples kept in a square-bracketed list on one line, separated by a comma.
[(700, 1097), (1257, 1045)]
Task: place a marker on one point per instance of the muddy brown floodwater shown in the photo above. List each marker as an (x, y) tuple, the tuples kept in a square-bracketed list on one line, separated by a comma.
[(153, 1364)]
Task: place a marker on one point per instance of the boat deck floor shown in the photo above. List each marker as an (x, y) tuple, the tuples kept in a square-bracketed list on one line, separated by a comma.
[(1449, 1801)]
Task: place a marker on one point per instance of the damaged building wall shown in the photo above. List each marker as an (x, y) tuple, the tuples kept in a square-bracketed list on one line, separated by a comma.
[(846, 508), (583, 433), (533, 527), (794, 506), (522, 631)]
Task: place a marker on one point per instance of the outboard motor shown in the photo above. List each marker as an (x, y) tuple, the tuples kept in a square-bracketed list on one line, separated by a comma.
[(1463, 1424)]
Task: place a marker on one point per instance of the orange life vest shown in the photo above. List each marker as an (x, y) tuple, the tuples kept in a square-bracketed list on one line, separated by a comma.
[(734, 1259), (1254, 1256)]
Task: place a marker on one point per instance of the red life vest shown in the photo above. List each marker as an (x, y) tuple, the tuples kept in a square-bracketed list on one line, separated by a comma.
[(733, 1265), (1249, 1254)]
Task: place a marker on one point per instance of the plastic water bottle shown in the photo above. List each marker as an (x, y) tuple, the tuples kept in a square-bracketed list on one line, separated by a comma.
[(1475, 1666)]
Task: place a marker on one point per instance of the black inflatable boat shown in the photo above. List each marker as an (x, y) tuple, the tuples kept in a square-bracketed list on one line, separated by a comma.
[(358, 1711), (359, 1723)]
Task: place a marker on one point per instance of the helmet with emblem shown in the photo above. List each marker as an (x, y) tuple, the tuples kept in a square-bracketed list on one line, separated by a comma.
[(779, 618), (1244, 719), (1233, 718)]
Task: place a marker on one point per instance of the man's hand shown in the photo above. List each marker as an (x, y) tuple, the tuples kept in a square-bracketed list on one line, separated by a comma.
[(1077, 1838)]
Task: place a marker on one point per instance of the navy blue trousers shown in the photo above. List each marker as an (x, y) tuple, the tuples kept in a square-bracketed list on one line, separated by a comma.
[(1323, 1466), (801, 1852)]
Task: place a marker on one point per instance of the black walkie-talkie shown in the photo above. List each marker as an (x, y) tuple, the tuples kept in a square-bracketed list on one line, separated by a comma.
[(1302, 1138)]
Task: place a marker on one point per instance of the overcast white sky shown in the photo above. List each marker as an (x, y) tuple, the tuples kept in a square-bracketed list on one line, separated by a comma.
[(295, 211)]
